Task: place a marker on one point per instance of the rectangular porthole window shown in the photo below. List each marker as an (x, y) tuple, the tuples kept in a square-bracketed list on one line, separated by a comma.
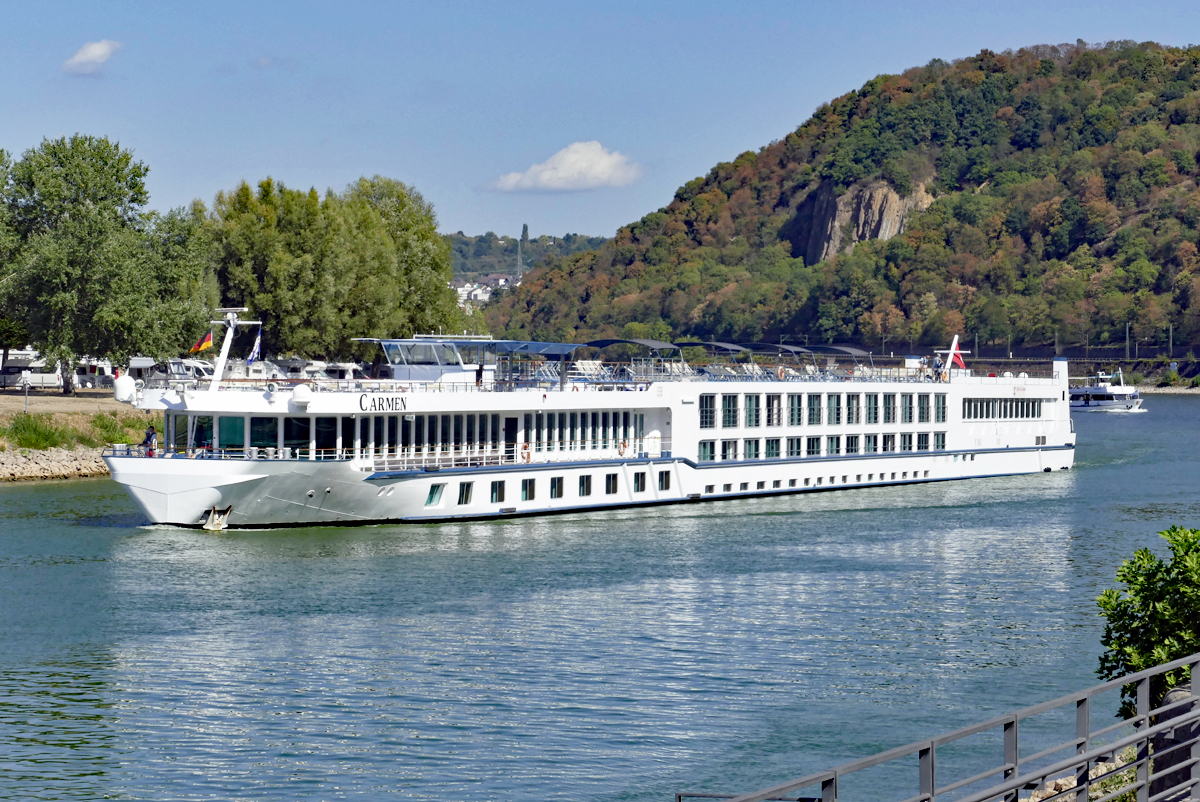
[(806, 482), (585, 485), (791, 482), (435, 495), (610, 483), (528, 489), (556, 487), (744, 486), (664, 480), (708, 488), (708, 411), (464, 493), (726, 488), (497, 492), (761, 486), (639, 482), (776, 483)]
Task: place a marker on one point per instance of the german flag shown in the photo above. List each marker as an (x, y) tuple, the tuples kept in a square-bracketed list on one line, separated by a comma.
[(204, 344)]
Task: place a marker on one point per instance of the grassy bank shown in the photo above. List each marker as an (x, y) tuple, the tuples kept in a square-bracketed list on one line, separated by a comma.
[(70, 429)]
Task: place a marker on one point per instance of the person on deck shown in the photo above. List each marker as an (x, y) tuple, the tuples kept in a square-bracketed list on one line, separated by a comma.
[(150, 441)]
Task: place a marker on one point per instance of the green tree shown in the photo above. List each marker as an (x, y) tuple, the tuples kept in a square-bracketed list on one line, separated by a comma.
[(1155, 618), (92, 273)]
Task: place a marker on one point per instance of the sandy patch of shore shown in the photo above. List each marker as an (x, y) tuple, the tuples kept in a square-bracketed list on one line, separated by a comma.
[(44, 401)]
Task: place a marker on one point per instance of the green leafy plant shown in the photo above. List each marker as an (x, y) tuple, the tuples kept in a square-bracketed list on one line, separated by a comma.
[(34, 431), (1134, 378), (1155, 617), (1169, 379)]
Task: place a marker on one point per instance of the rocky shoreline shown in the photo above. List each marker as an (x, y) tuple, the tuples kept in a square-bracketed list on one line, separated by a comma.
[(54, 463)]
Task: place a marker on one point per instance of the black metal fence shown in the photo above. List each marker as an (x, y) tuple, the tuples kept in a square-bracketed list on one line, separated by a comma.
[(1150, 756)]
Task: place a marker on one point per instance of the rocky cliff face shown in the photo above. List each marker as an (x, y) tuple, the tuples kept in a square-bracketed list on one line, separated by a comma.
[(826, 224)]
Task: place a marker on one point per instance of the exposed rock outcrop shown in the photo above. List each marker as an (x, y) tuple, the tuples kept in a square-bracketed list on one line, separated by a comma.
[(53, 463), (827, 224)]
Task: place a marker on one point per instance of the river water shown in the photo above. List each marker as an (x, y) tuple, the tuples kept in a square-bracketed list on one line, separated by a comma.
[(619, 656)]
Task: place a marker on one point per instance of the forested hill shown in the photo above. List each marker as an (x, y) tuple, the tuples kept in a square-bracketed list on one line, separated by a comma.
[(489, 253), (1054, 187)]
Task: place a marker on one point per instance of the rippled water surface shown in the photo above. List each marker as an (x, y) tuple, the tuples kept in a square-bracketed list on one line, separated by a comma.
[(619, 656)]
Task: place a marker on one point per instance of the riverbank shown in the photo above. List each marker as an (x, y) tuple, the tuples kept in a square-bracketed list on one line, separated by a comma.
[(62, 436), (23, 464), (1144, 389)]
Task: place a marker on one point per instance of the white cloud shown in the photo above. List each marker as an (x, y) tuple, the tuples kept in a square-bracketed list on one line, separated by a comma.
[(91, 57), (580, 165)]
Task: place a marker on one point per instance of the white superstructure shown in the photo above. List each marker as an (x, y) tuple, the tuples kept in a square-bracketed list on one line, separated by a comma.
[(1100, 393), (467, 428)]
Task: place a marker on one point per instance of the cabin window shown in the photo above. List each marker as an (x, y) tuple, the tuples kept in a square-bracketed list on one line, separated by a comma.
[(327, 432), (639, 482), (538, 422), (418, 432), (751, 449), (377, 441), (604, 424), (906, 442), (664, 480), (833, 445), (774, 410), (870, 443), (574, 424), (528, 428), (889, 407), (562, 431), (708, 450), (231, 433), (752, 411), (624, 425), (595, 430), (585, 485), (906, 408), (872, 400), (497, 492), (923, 408), (610, 484), (433, 433), (264, 432), (814, 409), (528, 489), (939, 441), (795, 446), (889, 442), (922, 442), (458, 432), (470, 433), (296, 432), (835, 409), (851, 444), (729, 411), (348, 435), (772, 448), (202, 432), (729, 449), (393, 433), (939, 408), (495, 432), (435, 495), (853, 411), (708, 411), (464, 493), (556, 487), (446, 433), (813, 447), (795, 410), (180, 432)]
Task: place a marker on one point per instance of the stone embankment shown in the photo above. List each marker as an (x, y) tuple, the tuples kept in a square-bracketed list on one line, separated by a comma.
[(53, 463)]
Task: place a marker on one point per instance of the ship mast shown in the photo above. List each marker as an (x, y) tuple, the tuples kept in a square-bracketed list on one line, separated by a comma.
[(230, 322)]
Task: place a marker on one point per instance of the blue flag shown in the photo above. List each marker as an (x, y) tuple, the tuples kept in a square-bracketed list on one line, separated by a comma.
[(256, 351)]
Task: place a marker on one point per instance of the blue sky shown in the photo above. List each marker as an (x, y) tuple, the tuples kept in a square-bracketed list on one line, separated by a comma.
[(462, 100)]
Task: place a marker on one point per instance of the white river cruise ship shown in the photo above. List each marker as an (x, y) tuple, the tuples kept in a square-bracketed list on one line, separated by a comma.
[(472, 428)]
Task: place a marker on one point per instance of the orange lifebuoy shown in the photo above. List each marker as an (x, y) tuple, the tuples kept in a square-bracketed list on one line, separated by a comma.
[(621, 448), (525, 455), (780, 372)]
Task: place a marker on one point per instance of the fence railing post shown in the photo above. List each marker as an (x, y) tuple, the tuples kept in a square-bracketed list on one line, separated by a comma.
[(1143, 746), (829, 789), (1195, 676), (1083, 731), (925, 764), (1012, 756)]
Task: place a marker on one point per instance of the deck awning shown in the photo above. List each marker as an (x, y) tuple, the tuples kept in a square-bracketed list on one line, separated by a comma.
[(654, 345)]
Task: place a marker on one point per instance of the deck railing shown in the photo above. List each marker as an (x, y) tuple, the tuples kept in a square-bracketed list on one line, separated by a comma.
[(1162, 746)]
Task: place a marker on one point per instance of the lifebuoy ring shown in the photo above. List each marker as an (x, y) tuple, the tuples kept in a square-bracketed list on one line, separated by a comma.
[(525, 455), (272, 387), (780, 372), (621, 448)]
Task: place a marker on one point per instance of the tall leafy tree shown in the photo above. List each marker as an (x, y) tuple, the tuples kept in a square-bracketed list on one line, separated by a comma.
[(92, 272)]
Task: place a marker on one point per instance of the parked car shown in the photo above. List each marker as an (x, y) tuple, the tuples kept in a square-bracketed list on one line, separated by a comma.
[(36, 373)]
